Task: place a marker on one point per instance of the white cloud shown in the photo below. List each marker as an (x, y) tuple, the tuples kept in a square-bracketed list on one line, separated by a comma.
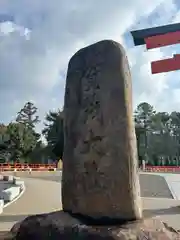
[(35, 48)]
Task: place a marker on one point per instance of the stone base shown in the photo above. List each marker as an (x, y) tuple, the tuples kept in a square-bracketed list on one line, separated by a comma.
[(62, 226)]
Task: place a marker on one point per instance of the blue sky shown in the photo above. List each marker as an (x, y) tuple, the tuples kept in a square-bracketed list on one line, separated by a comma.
[(37, 39)]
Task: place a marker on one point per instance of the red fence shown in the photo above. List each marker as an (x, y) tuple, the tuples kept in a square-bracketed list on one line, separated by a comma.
[(52, 167), (162, 169), (27, 167)]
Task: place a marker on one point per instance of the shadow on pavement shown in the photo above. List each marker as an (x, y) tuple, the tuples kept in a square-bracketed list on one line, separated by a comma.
[(146, 212), (151, 185)]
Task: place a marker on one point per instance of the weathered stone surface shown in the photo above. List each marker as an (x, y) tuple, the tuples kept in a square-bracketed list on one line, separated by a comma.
[(62, 226), (100, 177)]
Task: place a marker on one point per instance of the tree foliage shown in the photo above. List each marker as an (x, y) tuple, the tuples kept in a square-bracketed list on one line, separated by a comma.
[(19, 139), (158, 135), (27, 115), (22, 140), (54, 134)]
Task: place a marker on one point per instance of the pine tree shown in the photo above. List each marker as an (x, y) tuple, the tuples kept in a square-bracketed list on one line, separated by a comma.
[(27, 115)]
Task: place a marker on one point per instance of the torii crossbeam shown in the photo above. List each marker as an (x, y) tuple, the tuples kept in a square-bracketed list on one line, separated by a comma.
[(160, 37)]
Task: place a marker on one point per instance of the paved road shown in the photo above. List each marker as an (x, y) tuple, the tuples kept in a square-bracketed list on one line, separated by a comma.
[(38, 198), (151, 185), (45, 196), (154, 186)]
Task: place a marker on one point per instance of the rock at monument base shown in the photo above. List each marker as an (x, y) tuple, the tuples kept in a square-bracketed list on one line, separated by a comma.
[(61, 226)]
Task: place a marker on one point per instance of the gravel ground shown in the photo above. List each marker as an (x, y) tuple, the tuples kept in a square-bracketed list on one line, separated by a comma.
[(152, 186)]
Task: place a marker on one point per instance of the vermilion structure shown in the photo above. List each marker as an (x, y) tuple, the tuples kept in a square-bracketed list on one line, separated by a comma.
[(160, 37)]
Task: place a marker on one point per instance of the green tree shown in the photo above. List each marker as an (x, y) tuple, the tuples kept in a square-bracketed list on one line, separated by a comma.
[(38, 154), (4, 143), (27, 115), (143, 118), (158, 135), (3, 136), (175, 134), (144, 113), (54, 134), (168, 135), (22, 140)]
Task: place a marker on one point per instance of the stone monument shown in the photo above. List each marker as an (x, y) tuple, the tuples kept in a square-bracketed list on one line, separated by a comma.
[(100, 170), (100, 182)]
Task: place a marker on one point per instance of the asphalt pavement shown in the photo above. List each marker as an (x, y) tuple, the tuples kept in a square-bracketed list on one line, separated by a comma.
[(43, 195), (152, 186), (38, 198)]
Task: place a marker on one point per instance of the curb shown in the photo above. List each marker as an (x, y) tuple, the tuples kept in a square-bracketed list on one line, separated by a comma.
[(11, 194)]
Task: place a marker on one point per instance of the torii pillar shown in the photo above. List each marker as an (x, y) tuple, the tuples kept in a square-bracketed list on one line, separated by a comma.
[(160, 37)]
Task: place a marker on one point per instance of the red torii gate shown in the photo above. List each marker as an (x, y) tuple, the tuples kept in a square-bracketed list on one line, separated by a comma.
[(159, 37)]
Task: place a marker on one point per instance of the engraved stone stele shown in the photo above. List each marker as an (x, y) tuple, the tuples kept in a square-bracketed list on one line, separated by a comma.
[(100, 171)]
